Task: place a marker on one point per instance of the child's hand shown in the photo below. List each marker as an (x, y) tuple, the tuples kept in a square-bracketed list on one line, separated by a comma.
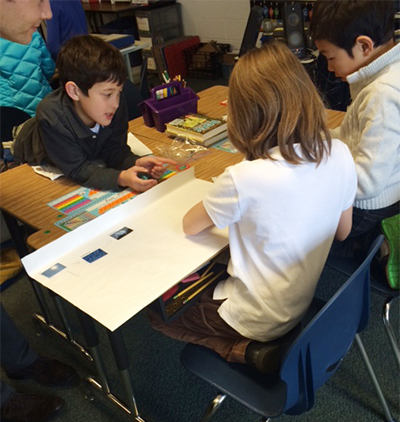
[(129, 179), (154, 165)]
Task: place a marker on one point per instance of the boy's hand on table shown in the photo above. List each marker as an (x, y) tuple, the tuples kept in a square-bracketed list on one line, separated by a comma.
[(130, 179), (151, 165), (154, 165)]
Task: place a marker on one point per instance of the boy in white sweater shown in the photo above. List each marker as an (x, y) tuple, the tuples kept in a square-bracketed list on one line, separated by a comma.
[(357, 39)]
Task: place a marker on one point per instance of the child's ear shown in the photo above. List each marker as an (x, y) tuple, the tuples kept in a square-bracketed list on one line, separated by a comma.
[(365, 45), (72, 90)]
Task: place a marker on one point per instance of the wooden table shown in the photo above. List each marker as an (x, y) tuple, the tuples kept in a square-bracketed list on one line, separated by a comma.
[(209, 104), (212, 164), (24, 196)]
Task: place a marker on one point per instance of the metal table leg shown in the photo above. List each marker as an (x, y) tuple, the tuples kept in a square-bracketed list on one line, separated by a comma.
[(122, 361), (102, 385)]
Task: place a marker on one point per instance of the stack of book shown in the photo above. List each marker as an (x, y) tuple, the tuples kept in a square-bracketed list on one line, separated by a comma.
[(202, 129)]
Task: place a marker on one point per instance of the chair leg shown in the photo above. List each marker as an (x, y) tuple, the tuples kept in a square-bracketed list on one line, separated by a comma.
[(374, 380), (389, 329), (212, 407)]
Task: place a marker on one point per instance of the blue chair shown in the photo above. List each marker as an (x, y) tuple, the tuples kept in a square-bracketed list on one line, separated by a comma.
[(326, 334), (380, 285)]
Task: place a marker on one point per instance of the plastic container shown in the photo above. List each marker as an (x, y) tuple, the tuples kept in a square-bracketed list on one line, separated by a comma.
[(157, 112), (156, 20), (205, 65), (158, 37)]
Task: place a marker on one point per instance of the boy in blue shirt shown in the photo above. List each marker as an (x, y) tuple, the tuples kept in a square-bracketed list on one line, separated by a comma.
[(357, 38), (81, 128)]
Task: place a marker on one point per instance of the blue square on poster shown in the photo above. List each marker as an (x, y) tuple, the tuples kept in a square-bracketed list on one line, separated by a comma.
[(53, 270), (94, 256)]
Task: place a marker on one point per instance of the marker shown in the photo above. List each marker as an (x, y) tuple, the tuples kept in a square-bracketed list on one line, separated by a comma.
[(166, 76)]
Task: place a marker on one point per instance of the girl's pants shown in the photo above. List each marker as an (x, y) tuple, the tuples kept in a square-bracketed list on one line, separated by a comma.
[(201, 324)]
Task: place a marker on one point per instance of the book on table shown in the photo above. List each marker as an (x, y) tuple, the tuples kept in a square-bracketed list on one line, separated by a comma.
[(202, 129)]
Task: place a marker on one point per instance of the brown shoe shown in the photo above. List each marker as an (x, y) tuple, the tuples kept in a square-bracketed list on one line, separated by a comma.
[(49, 372), (30, 408)]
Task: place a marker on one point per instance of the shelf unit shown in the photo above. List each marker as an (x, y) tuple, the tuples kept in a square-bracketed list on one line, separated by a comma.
[(157, 26)]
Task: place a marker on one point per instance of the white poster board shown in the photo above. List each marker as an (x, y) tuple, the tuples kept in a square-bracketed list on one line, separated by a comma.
[(115, 265)]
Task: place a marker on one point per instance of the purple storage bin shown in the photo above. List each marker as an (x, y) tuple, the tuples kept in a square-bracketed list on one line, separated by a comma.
[(157, 112)]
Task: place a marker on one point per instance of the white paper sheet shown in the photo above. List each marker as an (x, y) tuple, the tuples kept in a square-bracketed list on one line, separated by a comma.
[(139, 267), (48, 171), (138, 147)]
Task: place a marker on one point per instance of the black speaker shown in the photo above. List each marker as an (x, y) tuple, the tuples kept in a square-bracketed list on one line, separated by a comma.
[(294, 28), (252, 30)]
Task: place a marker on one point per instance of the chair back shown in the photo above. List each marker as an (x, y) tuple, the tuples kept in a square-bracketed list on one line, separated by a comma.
[(320, 348), (10, 117)]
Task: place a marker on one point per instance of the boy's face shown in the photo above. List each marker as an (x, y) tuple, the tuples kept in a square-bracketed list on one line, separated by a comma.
[(100, 105), (338, 59), (19, 19)]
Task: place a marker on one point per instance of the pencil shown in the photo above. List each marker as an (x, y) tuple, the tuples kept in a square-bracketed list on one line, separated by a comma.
[(193, 285), (208, 268), (202, 287)]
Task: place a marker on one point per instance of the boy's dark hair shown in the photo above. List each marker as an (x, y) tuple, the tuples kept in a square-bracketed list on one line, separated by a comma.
[(341, 21), (87, 60)]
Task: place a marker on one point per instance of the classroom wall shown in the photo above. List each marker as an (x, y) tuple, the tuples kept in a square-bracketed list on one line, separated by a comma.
[(221, 20)]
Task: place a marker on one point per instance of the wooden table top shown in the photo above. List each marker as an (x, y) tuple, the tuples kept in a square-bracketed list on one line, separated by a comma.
[(24, 194), (207, 165)]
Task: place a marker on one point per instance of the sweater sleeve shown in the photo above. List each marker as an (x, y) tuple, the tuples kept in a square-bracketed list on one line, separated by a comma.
[(377, 151), (64, 151)]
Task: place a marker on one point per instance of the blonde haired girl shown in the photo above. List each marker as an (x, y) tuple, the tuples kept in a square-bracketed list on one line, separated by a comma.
[(284, 204)]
